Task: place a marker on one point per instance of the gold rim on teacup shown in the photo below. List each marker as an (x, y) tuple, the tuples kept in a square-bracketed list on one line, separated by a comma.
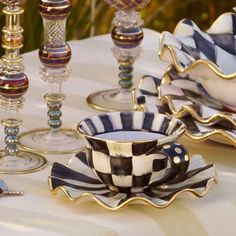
[(180, 131), (130, 151)]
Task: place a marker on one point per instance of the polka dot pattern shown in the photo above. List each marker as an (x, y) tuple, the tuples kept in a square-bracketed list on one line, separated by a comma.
[(178, 155)]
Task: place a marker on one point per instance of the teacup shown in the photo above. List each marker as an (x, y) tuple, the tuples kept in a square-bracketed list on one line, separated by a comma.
[(130, 151)]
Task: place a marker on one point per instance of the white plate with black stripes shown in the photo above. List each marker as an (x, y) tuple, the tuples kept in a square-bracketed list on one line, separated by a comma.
[(203, 121), (77, 180)]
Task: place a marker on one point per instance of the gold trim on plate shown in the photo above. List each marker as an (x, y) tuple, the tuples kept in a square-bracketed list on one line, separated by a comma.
[(133, 199), (212, 66), (218, 135)]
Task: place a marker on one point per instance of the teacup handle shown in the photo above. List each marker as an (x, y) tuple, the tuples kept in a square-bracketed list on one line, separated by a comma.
[(178, 158)]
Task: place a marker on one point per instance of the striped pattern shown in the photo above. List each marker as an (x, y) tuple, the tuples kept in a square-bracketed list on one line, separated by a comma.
[(194, 130), (130, 121), (41, 212), (130, 165), (81, 181), (197, 131), (185, 92)]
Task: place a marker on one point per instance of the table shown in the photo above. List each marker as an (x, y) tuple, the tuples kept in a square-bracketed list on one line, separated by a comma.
[(40, 212)]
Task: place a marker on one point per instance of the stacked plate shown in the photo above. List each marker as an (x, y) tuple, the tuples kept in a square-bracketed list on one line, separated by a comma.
[(199, 85)]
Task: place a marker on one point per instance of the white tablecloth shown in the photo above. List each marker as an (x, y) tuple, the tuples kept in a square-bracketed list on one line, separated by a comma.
[(39, 212)]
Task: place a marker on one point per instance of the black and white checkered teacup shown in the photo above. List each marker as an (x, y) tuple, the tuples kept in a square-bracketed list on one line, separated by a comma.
[(130, 151)]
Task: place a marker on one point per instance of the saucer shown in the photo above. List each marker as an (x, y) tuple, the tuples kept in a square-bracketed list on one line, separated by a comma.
[(208, 56), (185, 96), (148, 100), (198, 132), (77, 181)]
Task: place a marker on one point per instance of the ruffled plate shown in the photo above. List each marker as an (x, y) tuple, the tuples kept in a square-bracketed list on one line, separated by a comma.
[(208, 56), (179, 105), (78, 181), (186, 96)]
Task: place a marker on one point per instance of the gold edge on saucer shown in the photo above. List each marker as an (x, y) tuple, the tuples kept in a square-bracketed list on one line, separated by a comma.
[(213, 136), (125, 203), (210, 65), (188, 109)]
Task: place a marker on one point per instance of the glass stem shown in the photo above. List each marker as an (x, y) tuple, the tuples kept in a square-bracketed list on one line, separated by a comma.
[(54, 103), (11, 125), (11, 140), (126, 74)]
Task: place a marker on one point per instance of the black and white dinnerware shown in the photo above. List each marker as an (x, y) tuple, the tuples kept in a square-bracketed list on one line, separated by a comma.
[(129, 150), (78, 181), (186, 99), (209, 57)]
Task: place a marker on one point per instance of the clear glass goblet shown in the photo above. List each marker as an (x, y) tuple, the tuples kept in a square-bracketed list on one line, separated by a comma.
[(127, 36), (55, 54), (13, 85)]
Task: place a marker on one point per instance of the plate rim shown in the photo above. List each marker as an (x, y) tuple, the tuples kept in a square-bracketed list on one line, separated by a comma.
[(196, 193)]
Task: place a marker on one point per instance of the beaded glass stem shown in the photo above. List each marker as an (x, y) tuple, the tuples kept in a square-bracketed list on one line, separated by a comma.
[(127, 36), (13, 85), (55, 55)]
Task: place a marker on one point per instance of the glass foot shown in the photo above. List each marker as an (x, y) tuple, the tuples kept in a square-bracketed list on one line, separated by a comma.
[(48, 141), (22, 163), (112, 100)]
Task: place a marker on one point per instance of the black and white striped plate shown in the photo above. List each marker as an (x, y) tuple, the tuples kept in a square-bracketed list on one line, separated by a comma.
[(185, 96), (77, 181), (179, 106)]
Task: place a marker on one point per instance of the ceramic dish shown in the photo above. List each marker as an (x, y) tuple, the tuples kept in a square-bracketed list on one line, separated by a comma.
[(148, 100), (209, 57), (125, 149), (186, 96), (77, 181), (198, 132)]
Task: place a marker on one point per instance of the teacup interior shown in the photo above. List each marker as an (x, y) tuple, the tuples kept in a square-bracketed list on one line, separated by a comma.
[(129, 135), (130, 126)]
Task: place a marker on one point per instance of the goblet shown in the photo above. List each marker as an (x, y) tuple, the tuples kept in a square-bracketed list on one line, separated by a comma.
[(127, 36), (55, 55), (13, 85)]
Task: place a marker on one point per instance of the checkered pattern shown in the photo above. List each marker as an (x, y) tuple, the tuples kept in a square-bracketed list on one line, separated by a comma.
[(126, 165), (217, 45), (120, 173), (78, 179)]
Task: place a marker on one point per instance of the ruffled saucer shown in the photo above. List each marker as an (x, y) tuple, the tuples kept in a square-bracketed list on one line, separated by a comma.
[(186, 96), (77, 181), (207, 120)]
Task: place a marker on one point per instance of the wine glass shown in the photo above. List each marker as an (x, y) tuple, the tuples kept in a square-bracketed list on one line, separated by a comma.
[(13, 85), (55, 55), (127, 36)]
